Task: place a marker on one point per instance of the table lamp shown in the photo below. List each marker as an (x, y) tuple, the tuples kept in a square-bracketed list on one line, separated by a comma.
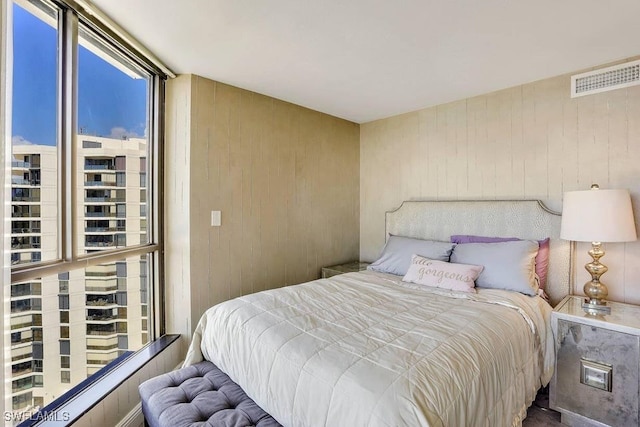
[(597, 216)]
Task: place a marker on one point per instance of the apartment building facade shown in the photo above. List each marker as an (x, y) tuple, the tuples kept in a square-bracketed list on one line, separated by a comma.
[(68, 326)]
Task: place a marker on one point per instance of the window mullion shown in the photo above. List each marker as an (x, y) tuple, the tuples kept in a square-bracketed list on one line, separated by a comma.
[(156, 220), (67, 124)]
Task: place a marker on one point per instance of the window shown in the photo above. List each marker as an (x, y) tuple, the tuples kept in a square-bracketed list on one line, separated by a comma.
[(121, 298), (64, 286), (121, 179), (34, 124), (121, 163), (63, 302), (91, 144), (65, 347), (121, 210), (36, 350), (84, 105), (123, 342)]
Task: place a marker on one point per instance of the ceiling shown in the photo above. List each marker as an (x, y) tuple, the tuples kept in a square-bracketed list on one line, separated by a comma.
[(363, 60)]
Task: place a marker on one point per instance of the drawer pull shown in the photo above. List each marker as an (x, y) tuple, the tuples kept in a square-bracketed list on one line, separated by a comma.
[(597, 375)]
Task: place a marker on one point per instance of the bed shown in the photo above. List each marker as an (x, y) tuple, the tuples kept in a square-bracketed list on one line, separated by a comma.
[(369, 349)]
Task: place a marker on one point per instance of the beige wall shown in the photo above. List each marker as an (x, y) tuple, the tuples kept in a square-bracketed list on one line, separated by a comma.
[(285, 178), (531, 141)]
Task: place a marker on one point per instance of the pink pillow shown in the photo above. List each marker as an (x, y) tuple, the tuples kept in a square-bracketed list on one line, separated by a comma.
[(542, 259), (440, 274)]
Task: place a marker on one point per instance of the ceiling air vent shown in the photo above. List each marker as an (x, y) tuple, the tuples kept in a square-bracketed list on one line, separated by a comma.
[(604, 79)]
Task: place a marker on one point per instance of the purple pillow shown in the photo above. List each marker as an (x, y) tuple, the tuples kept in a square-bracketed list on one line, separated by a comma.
[(542, 259)]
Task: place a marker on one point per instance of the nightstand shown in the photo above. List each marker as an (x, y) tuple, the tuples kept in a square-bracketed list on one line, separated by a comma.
[(597, 374), (350, 267)]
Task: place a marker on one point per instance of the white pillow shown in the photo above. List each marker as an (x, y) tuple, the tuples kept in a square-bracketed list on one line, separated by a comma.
[(507, 265), (439, 274)]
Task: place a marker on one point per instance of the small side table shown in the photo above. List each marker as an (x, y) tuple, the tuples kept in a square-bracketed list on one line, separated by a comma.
[(349, 267), (597, 377)]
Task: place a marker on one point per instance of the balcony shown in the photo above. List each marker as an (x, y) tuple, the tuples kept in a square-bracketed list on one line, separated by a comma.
[(100, 333), (101, 301), (21, 369), (107, 272), (101, 285), (102, 347), (23, 230), (22, 385), (102, 318), (101, 271), (19, 181), (99, 244), (100, 362), (104, 229), (29, 320), (16, 259), (104, 199), (20, 165), (101, 330), (21, 340), (23, 305), (27, 214), (25, 289), (100, 167), (99, 183), (18, 246), (100, 214), (25, 352), (28, 199)]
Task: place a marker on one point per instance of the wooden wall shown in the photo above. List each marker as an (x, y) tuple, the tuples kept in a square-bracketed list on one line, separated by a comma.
[(530, 141), (285, 178)]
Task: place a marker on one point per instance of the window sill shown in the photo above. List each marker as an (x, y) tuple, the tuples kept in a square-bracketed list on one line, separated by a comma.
[(72, 405)]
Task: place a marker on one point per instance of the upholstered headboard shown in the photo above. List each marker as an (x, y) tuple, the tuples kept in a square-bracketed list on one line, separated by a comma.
[(526, 219)]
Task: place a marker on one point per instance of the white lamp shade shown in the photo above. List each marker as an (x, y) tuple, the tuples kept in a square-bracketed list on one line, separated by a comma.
[(598, 216)]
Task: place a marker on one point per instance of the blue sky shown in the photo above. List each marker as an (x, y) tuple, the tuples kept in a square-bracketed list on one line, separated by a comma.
[(110, 103)]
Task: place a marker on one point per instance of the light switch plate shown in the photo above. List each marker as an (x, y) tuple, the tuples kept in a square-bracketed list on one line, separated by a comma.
[(216, 218)]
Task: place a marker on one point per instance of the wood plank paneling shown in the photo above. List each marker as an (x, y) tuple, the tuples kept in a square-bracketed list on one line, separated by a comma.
[(530, 141), (286, 179)]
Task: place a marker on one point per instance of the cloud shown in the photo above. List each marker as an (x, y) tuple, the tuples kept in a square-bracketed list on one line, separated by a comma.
[(122, 133), (19, 140)]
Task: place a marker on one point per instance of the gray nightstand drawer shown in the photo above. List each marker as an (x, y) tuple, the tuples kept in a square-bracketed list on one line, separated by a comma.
[(612, 350)]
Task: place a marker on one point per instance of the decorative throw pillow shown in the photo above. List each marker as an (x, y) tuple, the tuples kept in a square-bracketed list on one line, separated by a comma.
[(542, 259), (396, 255), (439, 274), (507, 265)]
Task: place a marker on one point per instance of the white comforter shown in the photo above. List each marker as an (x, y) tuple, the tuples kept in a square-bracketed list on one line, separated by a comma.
[(366, 349)]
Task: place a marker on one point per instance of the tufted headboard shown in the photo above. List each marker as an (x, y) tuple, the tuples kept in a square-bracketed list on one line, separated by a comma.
[(526, 219)]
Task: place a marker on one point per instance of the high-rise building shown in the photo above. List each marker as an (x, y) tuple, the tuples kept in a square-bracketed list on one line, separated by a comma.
[(68, 326)]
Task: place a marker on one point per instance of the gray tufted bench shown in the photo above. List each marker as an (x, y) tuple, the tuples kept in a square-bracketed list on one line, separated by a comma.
[(200, 395)]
